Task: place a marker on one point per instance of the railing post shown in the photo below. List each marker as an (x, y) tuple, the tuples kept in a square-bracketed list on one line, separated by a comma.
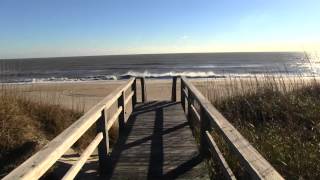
[(204, 126), (174, 89), (134, 90), (143, 90), (182, 95), (122, 114), (103, 147), (190, 101)]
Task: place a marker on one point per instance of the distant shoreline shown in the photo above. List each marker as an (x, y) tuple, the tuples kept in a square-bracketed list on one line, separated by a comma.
[(139, 54), (154, 79)]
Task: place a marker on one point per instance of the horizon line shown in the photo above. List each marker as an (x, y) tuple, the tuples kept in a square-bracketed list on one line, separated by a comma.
[(137, 54)]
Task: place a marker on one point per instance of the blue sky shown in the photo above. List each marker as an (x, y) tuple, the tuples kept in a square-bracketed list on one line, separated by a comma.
[(46, 28)]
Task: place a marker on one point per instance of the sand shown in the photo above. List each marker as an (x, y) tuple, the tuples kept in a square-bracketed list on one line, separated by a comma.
[(84, 95)]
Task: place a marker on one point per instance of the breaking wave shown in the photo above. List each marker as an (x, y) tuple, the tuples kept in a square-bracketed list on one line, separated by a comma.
[(192, 74), (147, 74)]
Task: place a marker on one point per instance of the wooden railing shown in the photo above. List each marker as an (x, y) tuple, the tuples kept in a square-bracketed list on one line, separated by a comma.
[(39, 163), (207, 115)]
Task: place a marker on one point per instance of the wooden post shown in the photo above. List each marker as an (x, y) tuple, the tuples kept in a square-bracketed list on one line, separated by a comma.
[(204, 126), (134, 90), (122, 114), (190, 101), (182, 96), (143, 90), (174, 89), (103, 147)]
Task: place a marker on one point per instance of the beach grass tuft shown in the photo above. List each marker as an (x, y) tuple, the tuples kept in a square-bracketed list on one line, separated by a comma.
[(279, 116), (26, 126)]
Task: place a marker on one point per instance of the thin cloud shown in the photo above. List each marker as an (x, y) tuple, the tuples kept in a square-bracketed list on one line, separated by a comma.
[(184, 37)]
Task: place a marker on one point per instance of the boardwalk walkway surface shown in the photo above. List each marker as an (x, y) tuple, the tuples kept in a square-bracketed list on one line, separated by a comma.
[(157, 143)]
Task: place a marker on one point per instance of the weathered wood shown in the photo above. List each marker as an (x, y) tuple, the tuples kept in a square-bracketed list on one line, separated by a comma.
[(228, 174), (182, 95), (114, 118), (39, 163), (185, 93), (204, 126), (255, 164), (174, 89), (195, 113), (72, 172), (190, 102), (128, 98), (143, 90), (107, 103), (134, 90), (121, 103), (103, 148), (157, 144)]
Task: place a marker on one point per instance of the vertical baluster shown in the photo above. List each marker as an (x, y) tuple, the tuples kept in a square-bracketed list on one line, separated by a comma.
[(122, 114), (134, 90), (103, 147), (143, 90), (174, 89), (190, 101), (204, 126), (182, 95)]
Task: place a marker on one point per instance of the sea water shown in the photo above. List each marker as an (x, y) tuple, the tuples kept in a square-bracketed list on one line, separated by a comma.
[(196, 65)]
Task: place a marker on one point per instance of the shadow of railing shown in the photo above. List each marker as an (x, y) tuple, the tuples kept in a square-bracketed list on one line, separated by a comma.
[(156, 160)]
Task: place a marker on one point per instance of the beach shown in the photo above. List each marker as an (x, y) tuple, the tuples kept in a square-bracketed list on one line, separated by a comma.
[(83, 95)]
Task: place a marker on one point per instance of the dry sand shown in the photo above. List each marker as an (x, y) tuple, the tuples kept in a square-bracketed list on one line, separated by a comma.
[(83, 95)]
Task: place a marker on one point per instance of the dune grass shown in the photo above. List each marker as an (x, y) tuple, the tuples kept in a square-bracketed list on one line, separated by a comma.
[(27, 123), (26, 126), (279, 116)]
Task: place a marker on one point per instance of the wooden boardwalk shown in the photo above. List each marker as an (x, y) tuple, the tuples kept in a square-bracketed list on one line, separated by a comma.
[(157, 143)]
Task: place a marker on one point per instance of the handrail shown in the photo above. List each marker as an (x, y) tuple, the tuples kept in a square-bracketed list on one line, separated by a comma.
[(128, 98), (83, 158), (113, 119), (250, 158), (195, 112), (39, 163), (227, 172)]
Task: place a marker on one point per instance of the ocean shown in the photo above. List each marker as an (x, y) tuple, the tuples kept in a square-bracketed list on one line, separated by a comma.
[(196, 65)]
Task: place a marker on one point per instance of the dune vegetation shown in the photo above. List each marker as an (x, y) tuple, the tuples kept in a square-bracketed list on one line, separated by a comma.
[(27, 123), (26, 126), (279, 116)]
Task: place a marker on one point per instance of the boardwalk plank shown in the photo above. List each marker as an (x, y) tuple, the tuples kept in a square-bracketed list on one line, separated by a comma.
[(157, 143)]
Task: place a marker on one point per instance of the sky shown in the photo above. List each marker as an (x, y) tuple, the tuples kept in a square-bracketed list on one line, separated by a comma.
[(54, 28)]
